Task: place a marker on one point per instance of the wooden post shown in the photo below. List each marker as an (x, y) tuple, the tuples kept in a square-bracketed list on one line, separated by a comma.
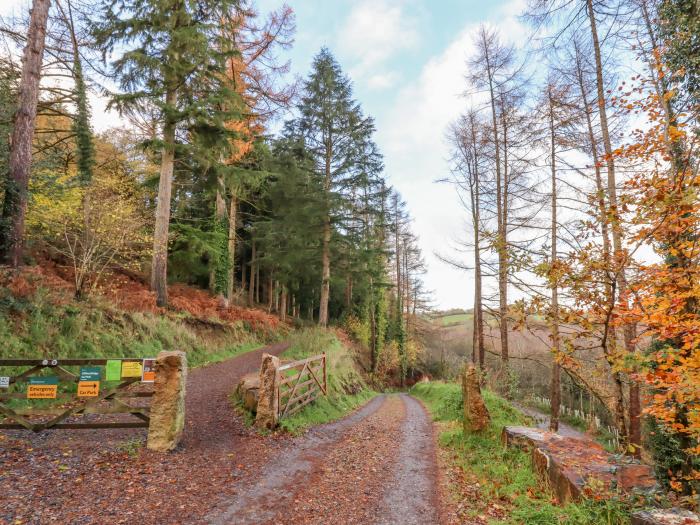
[(325, 376)]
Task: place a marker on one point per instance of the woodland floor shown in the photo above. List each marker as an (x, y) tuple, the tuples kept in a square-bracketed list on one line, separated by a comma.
[(376, 466)]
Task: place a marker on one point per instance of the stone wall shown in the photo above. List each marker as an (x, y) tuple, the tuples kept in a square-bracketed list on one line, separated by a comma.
[(576, 467)]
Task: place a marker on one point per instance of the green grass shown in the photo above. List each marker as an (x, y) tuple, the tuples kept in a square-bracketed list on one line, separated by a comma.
[(453, 319), (37, 328), (346, 388), (505, 474)]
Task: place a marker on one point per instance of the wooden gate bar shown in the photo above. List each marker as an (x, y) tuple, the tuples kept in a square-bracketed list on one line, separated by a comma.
[(298, 390), (109, 401)]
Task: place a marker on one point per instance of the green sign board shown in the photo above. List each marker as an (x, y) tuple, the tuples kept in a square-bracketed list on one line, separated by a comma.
[(90, 373), (44, 380), (113, 370)]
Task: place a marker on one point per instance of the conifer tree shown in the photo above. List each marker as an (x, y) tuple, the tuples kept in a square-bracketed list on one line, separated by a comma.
[(337, 134), (171, 57)]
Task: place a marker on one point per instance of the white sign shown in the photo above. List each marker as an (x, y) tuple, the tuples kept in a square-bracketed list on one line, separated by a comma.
[(4, 382)]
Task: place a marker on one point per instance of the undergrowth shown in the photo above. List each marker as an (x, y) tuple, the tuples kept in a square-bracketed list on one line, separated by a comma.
[(346, 388), (505, 475), (37, 327)]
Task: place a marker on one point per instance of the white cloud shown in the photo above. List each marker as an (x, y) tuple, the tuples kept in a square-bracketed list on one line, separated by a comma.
[(416, 154), (374, 31)]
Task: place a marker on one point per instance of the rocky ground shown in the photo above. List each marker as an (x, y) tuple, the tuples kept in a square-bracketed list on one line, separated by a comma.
[(377, 465)]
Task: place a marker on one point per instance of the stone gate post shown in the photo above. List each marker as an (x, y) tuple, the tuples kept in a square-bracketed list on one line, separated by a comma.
[(168, 405), (268, 403)]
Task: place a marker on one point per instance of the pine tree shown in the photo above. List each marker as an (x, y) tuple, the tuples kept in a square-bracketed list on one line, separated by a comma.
[(172, 58), (338, 135), (20, 161)]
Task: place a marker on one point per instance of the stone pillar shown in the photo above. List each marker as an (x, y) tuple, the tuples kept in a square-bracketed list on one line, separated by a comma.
[(268, 403), (168, 405), (476, 415)]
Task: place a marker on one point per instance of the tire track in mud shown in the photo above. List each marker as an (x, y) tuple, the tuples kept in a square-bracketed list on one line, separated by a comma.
[(377, 466), (412, 498), (261, 501)]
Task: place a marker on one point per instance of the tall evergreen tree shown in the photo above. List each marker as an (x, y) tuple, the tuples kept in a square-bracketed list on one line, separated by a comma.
[(337, 134), (174, 59)]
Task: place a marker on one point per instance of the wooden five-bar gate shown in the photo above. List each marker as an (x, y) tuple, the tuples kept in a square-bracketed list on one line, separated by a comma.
[(300, 383), (86, 398)]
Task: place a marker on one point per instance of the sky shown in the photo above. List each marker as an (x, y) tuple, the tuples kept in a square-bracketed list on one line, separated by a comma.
[(406, 59)]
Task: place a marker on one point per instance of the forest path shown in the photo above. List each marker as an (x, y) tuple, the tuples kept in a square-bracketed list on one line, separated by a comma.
[(376, 466)]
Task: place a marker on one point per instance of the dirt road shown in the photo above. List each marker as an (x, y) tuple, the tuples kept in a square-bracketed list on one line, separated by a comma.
[(376, 466)]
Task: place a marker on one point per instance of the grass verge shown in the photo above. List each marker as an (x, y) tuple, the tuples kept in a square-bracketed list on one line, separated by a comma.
[(505, 475)]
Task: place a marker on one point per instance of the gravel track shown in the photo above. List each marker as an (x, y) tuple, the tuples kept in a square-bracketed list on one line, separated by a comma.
[(412, 496), (376, 466)]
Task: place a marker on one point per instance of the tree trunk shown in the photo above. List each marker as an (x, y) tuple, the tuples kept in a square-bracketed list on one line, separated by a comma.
[(373, 326), (501, 241), (502, 248), (348, 292), (634, 436), (270, 292), (159, 275), (251, 284), (555, 385), (257, 283), (232, 216), (219, 217), (283, 304), (326, 241), (478, 349), (609, 343), (20, 162), (325, 273)]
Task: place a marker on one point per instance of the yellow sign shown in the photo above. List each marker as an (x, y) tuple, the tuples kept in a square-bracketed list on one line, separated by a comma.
[(131, 369), (42, 391), (88, 388)]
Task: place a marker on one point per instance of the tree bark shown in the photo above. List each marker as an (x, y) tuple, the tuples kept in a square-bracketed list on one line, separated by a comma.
[(251, 284), (325, 274), (478, 349), (232, 217), (609, 343), (633, 437), (555, 385), (500, 213), (326, 242), (283, 304), (219, 217), (159, 272), (20, 162)]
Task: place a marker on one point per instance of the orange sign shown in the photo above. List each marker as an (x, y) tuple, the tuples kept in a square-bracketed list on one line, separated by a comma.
[(88, 388), (149, 371), (42, 391)]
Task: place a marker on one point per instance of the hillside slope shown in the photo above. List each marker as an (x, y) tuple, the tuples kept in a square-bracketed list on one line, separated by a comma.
[(39, 317)]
